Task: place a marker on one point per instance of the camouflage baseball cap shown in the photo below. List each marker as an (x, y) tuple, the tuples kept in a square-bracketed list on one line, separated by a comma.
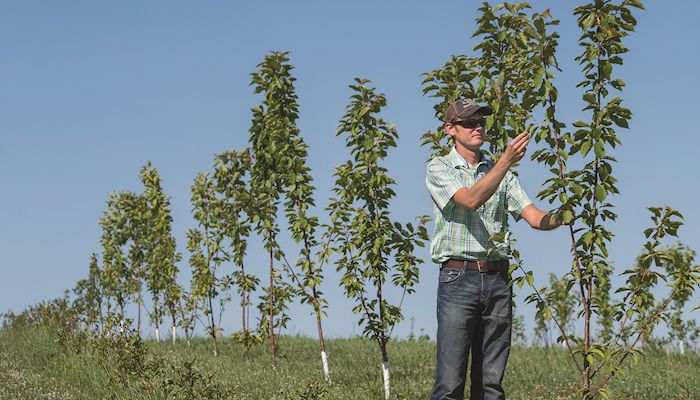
[(463, 108)]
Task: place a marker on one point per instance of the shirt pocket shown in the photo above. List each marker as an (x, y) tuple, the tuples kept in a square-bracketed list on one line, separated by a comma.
[(495, 205)]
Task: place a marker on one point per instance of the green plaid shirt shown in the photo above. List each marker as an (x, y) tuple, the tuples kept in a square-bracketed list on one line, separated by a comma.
[(462, 233)]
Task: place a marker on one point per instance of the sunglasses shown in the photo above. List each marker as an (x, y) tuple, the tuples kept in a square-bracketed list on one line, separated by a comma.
[(470, 123)]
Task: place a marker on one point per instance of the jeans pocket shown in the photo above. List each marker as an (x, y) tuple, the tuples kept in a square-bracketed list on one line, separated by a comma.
[(448, 275)]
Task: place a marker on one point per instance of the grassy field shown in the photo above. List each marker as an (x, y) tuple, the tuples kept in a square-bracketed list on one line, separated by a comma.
[(35, 364)]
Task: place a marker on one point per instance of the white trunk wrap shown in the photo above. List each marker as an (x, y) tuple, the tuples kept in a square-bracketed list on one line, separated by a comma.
[(387, 381), (326, 372)]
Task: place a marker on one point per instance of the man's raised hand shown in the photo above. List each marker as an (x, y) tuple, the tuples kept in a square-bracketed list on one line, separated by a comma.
[(516, 148)]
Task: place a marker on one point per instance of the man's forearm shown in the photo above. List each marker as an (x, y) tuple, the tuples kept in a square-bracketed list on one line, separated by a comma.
[(475, 196)]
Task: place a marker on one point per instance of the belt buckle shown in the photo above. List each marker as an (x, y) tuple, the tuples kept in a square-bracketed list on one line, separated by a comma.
[(478, 265)]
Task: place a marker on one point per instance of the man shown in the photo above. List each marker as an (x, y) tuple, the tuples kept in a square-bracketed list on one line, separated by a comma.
[(471, 198)]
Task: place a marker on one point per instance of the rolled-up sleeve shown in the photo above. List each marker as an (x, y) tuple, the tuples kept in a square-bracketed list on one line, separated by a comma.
[(516, 198), (442, 183)]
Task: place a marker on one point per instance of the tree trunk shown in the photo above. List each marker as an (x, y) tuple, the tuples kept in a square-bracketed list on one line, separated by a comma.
[(324, 356), (272, 325), (382, 338), (385, 372), (121, 318), (138, 324), (173, 327), (243, 301), (243, 327), (212, 326), (587, 341), (213, 344), (326, 370), (322, 344), (185, 326)]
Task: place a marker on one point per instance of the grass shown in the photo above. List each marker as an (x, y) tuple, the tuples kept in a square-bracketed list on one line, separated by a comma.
[(35, 365)]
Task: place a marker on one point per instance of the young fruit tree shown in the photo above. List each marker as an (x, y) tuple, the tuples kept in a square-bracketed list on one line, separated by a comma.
[(682, 334), (88, 295), (189, 311), (207, 253), (160, 255), (299, 198), (585, 191), (515, 76), (298, 191), (273, 133), (230, 169), (375, 252), (121, 269)]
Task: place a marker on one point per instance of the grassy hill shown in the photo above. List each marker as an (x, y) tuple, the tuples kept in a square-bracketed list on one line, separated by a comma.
[(36, 363)]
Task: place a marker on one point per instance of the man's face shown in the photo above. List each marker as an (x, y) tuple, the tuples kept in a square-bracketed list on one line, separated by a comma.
[(471, 138)]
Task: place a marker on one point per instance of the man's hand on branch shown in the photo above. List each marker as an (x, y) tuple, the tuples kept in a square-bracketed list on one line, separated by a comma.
[(558, 218), (566, 216)]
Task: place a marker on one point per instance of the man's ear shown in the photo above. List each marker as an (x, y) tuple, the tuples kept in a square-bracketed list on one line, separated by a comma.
[(450, 129)]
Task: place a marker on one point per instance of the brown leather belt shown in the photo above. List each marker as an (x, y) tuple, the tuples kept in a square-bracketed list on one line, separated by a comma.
[(500, 265)]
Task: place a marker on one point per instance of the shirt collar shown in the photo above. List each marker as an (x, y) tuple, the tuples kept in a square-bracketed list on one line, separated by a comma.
[(457, 160)]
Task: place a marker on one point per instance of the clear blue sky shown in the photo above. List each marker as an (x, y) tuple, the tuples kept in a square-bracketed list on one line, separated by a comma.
[(93, 90)]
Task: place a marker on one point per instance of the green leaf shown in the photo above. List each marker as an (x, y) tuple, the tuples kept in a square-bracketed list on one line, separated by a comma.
[(600, 149), (576, 188), (563, 197), (567, 216), (621, 122), (530, 279), (585, 147), (588, 21), (607, 69), (600, 193), (617, 83), (547, 314), (635, 3), (538, 78), (589, 97)]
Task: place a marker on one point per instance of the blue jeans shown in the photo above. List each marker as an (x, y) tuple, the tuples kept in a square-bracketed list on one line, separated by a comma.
[(474, 311)]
